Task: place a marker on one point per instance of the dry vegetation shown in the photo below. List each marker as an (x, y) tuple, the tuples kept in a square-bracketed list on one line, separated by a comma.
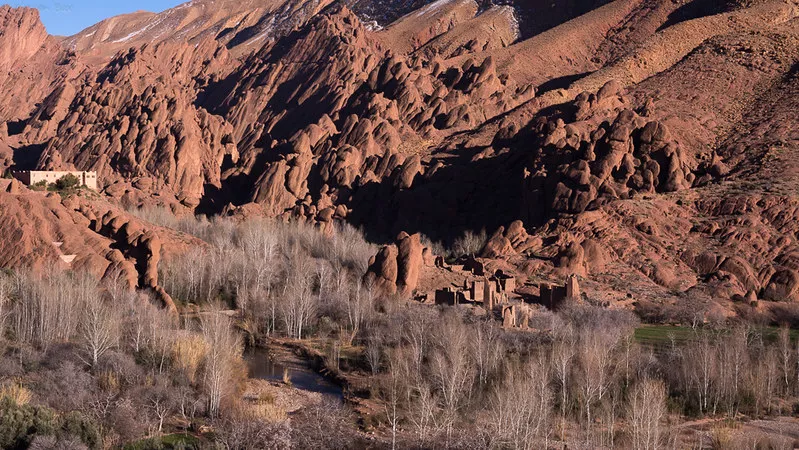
[(416, 376)]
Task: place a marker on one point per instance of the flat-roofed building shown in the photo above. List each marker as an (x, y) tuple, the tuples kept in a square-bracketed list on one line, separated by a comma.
[(31, 177)]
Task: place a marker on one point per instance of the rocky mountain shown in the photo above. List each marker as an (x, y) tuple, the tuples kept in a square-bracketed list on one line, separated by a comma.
[(646, 145)]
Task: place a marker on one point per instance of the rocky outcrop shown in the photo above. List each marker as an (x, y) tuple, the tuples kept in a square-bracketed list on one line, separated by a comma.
[(31, 63), (409, 262), (139, 119), (396, 267), (83, 235), (511, 241), (23, 35), (580, 165), (364, 119)]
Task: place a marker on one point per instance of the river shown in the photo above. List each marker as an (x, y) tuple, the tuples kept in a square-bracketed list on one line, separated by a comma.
[(262, 365)]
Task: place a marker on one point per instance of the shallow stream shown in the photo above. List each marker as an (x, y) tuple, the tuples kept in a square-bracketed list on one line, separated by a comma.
[(262, 365)]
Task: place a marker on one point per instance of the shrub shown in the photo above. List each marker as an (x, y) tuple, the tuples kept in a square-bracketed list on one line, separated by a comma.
[(76, 425), (67, 182), (250, 432), (169, 442), (188, 353), (469, 244), (17, 392), (20, 425)]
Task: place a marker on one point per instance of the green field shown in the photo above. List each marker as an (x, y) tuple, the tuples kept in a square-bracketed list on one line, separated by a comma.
[(167, 442), (660, 335)]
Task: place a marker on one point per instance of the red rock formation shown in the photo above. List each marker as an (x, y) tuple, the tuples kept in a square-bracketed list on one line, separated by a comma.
[(396, 267), (668, 167), (92, 236), (31, 63)]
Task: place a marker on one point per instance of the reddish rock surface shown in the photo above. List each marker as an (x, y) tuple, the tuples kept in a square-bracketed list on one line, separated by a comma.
[(645, 146), (396, 267), (42, 229)]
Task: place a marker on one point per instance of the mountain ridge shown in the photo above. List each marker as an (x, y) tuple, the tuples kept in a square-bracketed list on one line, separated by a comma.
[(444, 121)]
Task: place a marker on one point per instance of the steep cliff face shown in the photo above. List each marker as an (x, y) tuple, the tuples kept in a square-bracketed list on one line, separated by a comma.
[(23, 37), (31, 63)]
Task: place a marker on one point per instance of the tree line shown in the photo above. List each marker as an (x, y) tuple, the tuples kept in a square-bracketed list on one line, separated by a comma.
[(441, 377)]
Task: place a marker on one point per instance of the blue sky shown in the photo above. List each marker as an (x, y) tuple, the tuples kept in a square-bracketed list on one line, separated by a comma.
[(67, 17)]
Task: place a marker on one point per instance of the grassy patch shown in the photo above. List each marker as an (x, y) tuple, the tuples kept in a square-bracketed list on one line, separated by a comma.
[(662, 334), (170, 441)]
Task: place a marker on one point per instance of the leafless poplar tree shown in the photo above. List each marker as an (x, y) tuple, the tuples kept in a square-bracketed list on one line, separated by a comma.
[(646, 411), (521, 406), (99, 328), (48, 305), (223, 347), (299, 303), (785, 351), (487, 349), (563, 353), (701, 360), (452, 367), (392, 390), (359, 304), (733, 355)]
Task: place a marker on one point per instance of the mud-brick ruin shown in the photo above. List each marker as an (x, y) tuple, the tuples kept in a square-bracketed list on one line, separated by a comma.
[(498, 295), (407, 267)]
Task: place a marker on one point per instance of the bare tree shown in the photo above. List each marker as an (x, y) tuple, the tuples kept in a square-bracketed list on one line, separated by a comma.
[(701, 359), (594, 359), (360, 303), (452, 367), (470, 243), (299, 304), (223, 348), (5, 300), (416, 330), (137, 321), (487, 349), (563, 353), (422, 406), (161, 401), (785, 350), (48, 305), (374, 351), (733, 356), (391, 392), (645, 412), (249, 433), (99, 329), (521, 406), (116, 286)]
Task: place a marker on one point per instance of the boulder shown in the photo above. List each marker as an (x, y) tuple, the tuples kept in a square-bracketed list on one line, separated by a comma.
[(409, 262)]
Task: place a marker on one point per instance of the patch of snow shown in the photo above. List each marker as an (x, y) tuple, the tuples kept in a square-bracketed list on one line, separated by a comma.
[(263, 35), (514, 18), (432, 8), (128, 37), (372, 26), (145, 28)]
